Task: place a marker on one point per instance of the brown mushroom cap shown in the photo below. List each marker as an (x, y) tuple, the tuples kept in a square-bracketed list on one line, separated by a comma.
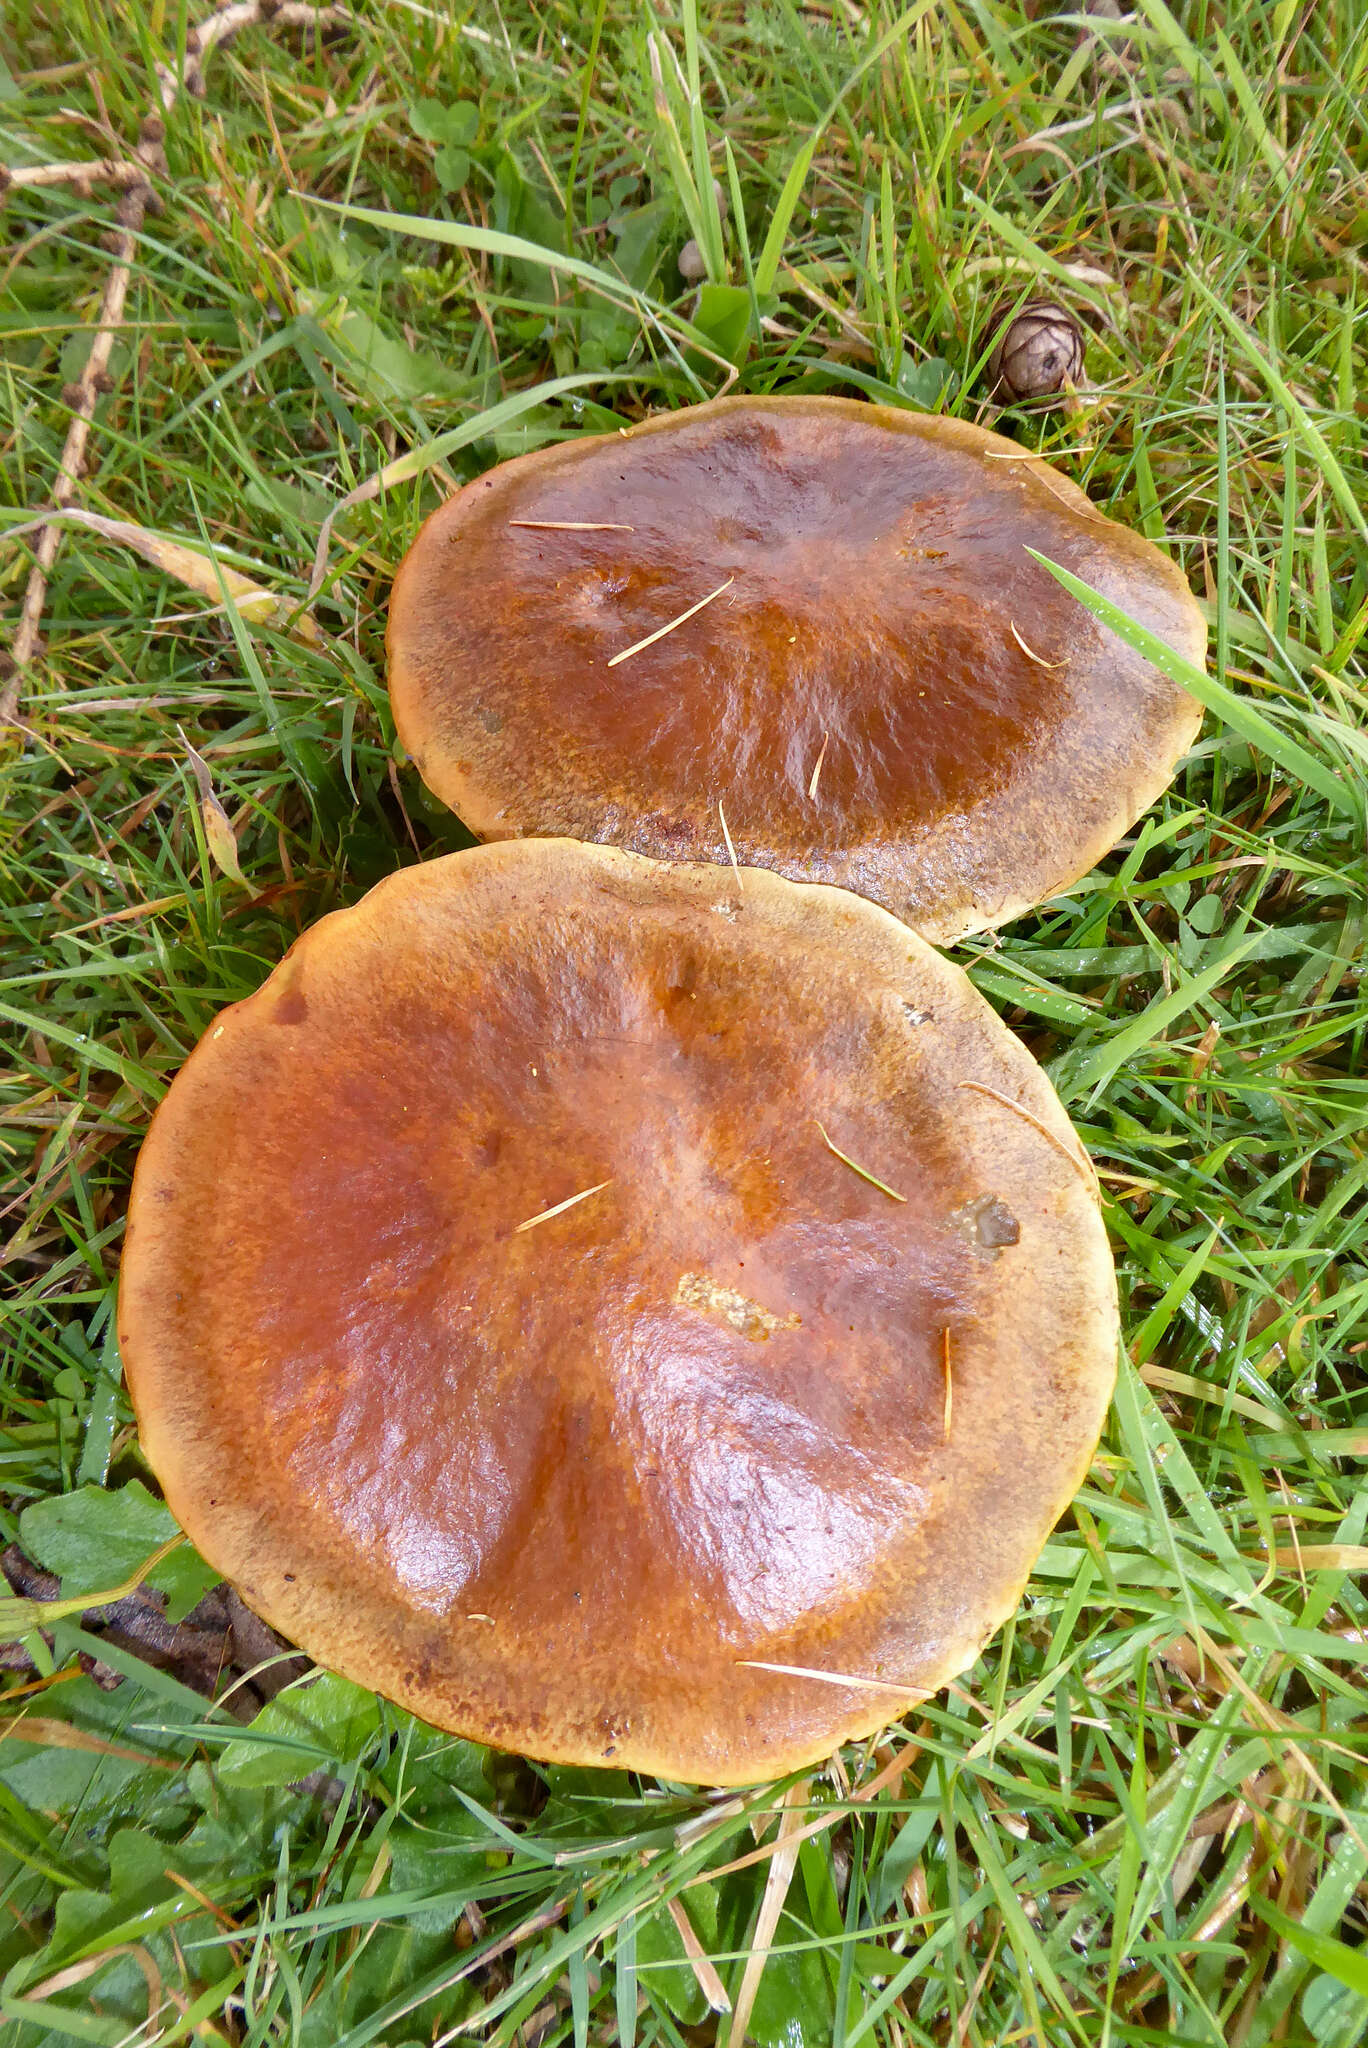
[(563, 1488), (889, 694)]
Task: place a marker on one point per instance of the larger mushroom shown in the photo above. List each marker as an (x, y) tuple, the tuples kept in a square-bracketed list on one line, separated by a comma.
[(805, 628), (624, 1313)]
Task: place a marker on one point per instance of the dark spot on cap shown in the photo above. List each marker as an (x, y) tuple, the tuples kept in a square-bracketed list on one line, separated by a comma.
[(292, 1008)]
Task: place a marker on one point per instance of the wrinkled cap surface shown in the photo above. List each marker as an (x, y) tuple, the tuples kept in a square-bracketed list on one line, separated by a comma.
[(888, 694), (564, 1488)]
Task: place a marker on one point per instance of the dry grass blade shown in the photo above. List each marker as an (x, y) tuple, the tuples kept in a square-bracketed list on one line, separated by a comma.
[(949, 1381), (671, 626), (78, 1973), (18, 1615), (82, 177), (198, 571), (702, 1965), (777, 1883), (572, 525), (536, 1924), (1319, 1557), (966, 2018), (45, 1733), (1278, 1723), (891, 1773), (218, 826)]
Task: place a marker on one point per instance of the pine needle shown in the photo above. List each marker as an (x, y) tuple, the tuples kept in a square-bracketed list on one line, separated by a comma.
[(812, 786), (855, 1166), (574, 526), (1030, 652), (731, 850), (826, 1677), (661, 631), (559, 1208), (1078, 1160)]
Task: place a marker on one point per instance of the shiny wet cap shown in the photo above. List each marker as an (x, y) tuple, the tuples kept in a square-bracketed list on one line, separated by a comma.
[(807, 623), (628, 1314)]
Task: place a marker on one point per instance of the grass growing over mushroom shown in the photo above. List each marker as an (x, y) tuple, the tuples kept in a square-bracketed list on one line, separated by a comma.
[(1142, 1816)]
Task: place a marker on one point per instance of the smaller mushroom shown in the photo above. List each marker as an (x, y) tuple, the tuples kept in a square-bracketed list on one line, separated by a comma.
[(817, 614), (1037, 352), (692, 266)]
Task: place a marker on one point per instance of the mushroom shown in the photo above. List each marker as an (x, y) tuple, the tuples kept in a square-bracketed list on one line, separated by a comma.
[(625, 1313), (812, 618)]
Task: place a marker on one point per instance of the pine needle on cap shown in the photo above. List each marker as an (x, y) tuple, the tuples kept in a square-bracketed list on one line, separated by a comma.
[(573, 526), (1030, 652), (855, 1166), (825, 1677), (559, 1208), (731, 850), (949, 1382), (1079, 1160), (812, 786), (661, 631), (1052, 483)]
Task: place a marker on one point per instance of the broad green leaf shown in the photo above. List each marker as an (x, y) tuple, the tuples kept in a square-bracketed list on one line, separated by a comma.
[(452, 166), (380, 364), (453, 127), (94, 1539), (723, 315), (663, 1968), (323, 1723)]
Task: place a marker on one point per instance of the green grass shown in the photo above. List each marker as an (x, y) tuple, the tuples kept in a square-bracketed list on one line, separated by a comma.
[(1142, 1817)]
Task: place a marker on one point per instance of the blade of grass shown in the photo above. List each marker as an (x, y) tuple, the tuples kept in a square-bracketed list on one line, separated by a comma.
[(1235, 711)]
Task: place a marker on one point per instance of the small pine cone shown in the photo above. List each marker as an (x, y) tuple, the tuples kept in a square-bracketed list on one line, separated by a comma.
[(1037, 352)]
